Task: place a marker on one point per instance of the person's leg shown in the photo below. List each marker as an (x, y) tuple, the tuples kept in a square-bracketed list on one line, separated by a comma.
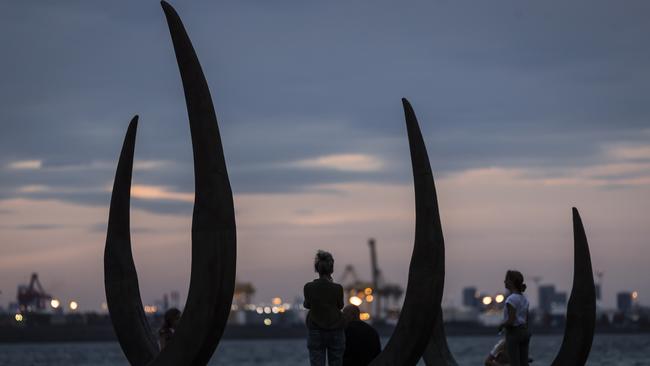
[(512, 346), (316, 348), (336, 348), (523, 350)]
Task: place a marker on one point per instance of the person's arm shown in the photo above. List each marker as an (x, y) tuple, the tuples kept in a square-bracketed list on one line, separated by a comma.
[(306, 304), (339, 301), (512, 316)]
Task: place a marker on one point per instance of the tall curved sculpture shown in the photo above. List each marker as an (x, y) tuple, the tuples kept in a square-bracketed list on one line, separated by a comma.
[(214, 242), (580, 318), (437, 351), (427, 268), (581, 311)]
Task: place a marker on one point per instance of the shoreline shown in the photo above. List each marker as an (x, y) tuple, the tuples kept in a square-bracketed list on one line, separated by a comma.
[(105, 333)]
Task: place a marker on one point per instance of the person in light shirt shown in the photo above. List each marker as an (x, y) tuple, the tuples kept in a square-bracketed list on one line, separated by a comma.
[(515, 322)]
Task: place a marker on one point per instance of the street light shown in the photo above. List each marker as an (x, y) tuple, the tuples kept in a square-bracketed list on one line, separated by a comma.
[(487, 300), (355, 301)]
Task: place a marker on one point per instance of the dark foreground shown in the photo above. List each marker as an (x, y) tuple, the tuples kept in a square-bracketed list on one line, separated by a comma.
[(609, 349)]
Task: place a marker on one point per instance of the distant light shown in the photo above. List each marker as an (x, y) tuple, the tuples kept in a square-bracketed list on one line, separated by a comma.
[(150, 309), (364, 316), (275, 310), (276, 301), (104, 306), (267, 310), (499, 298), (18, 317), (73, 305), (234, 307), (281, 309), (54, 303), (267, 322), (259, 310), (487, 300), (367, 291), (355, 301), (635, 295), (369, 298)]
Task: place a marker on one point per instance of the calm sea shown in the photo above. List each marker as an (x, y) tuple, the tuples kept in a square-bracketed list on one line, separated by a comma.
[(624, 350)]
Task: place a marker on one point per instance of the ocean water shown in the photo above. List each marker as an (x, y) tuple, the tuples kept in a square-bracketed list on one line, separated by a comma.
[(610, 350)]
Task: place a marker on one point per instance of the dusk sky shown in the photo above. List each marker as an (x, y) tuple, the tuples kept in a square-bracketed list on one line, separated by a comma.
[(527, 109)]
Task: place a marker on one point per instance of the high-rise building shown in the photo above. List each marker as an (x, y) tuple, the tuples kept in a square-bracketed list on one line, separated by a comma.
[(548, 297), (624, 302), (470, 297)]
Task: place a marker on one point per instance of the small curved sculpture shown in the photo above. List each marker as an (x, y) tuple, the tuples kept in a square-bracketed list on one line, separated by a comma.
[(580, 319), (427, 268), (214, 242)]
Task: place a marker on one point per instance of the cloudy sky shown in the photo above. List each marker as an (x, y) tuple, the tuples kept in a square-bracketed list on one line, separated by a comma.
[(527, 109)]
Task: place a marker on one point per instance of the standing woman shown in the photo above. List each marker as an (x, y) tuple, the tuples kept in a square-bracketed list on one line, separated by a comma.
[(516, 319), (324, 299)]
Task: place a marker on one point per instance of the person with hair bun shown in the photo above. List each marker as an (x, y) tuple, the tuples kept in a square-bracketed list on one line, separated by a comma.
[(516, 319), (324, 299)]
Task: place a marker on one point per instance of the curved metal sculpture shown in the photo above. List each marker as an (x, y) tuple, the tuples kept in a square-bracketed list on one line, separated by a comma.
[(214, 245), (581, 312), (120, 276), (437, 351), (427, 268)]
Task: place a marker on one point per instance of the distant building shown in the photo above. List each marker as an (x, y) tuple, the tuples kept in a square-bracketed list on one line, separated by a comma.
[(560, 299), (546, 294), (624, 302), (470, 297), (550, 299)]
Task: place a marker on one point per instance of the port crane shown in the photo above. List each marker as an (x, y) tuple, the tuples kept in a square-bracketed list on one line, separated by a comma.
[(33, 297), (377, 296)]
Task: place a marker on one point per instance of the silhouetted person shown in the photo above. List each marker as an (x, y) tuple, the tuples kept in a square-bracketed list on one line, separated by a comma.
[(515, 322), (170, 320), (361, 339), (324, 299)]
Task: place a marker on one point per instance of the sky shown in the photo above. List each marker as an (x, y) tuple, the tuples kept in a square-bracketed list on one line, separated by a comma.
[(527, 109)]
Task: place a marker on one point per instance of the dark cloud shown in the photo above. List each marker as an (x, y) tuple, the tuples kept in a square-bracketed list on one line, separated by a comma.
[(499, 83)]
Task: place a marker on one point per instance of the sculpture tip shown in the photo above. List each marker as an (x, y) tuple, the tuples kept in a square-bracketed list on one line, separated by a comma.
[(166, 6)]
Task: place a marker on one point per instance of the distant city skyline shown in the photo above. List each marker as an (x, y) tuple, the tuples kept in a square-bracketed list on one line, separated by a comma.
[(527, 109)]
